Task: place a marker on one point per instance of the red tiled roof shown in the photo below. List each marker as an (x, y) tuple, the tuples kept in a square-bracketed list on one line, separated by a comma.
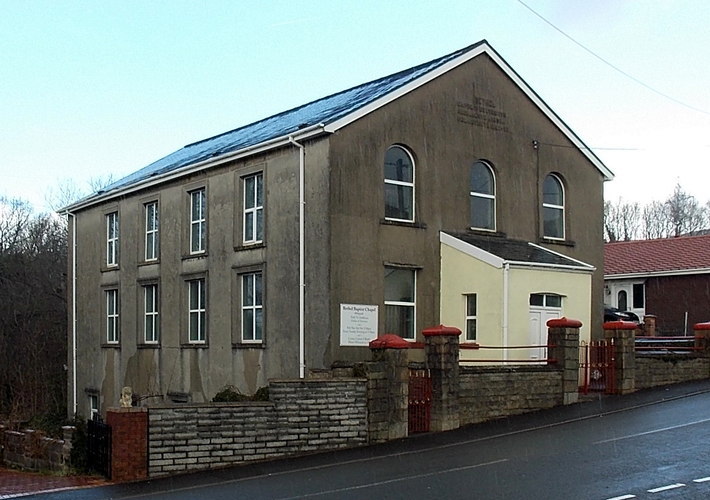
[(651, 256)]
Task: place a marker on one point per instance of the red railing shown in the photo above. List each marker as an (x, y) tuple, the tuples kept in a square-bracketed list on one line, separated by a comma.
[(475, 347)]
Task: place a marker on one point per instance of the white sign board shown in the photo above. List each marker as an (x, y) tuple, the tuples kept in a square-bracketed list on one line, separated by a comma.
[(358, 324)]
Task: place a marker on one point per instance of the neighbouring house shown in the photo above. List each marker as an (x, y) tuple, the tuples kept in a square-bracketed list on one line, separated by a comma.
[(668, 278), (445, 193)]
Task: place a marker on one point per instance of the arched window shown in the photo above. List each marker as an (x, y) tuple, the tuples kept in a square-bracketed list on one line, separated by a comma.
[(621, 302), (399, 184), (483, 197), (553, 207)]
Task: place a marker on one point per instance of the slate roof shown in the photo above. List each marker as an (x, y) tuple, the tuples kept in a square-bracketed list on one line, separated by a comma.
[(512, 251), (662, 256), (322, 116)]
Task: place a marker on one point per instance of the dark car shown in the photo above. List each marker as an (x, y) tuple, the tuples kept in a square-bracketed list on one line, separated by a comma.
[(614, 314)]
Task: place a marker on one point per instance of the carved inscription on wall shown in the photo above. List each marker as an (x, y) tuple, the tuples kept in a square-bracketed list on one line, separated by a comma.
[(482, 112)]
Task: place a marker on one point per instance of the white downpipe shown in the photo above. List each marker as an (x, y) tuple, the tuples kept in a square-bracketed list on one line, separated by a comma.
[(73, 310), (506, 275), (301, 257)]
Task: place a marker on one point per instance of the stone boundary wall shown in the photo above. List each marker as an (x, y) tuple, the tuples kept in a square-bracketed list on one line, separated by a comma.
[(656, 370), (487, 393), (32, 450), (303, 416)]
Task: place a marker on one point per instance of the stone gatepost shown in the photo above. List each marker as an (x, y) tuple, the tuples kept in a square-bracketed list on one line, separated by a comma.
[(388, 389), (649, 325), (563, 341), (442, 359), (129, 443), (623, 334)]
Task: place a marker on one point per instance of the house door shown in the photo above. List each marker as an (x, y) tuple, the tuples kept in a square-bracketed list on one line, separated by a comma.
[(543, 307)]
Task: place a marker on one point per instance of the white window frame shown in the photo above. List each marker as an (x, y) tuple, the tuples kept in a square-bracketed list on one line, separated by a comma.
[(112, 316), (413, 305), (411, 184), (255, 308), (254, 213), (198, 221), (152, 235), (151, 316), (198, 310), (469, 317), (476, 194), (93, 400), (552, 206), (112, 233)]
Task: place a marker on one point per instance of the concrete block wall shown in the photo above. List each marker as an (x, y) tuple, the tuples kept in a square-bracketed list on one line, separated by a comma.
[(302, 416), (487, 393), (653, 371)]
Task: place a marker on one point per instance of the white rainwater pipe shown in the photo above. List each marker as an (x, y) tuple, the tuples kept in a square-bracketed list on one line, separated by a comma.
[(73, 309), (506, 277), (301, 256)]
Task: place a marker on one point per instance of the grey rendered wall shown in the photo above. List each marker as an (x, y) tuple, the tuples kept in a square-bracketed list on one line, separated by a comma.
[(175, 367)]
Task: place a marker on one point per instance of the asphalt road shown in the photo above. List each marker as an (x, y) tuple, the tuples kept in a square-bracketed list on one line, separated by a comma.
[(653, 444)]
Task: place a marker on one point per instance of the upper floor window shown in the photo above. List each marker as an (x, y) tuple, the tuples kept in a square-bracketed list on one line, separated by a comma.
[(553, 208), (112, 239), (252, 307), (400, 305), (151, 323), (471, 317), (197, 311), (399, 184), (483, 197), (254, 208), (111, 316), (198, 221), (152, 241)]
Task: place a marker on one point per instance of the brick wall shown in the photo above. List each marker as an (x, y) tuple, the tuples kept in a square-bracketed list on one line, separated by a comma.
[(487, 393), (302, 416), (129, 443), (652, 371)]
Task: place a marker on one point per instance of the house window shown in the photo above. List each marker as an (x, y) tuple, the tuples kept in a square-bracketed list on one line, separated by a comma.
[(254, 208), (152, 241), (197, 311), (553, 208), (93, 406), (111, 316), (545, 300), (399, 185), (638, 296), (112, 239), (252, 307), (483, 197), (471, 317), (622, 300), (198, 221), (400, 308), (151, 323)]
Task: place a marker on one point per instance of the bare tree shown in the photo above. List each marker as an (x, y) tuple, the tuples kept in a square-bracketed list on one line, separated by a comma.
[(684, 212), (622, 220)]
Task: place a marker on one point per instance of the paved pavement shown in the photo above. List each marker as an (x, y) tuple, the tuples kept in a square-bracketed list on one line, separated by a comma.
[(15, 484)]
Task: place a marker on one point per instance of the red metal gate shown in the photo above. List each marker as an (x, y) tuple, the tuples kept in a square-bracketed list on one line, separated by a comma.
[(419, 400), (597, 362)]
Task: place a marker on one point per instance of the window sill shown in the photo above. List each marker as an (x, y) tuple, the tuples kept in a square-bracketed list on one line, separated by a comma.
[(486, 232), (144, 263), (252, 246), (194, 345), (148, 346), (552, 241), (415, 225), (249, 345), (106, 345), (108, 269), (195, 256)]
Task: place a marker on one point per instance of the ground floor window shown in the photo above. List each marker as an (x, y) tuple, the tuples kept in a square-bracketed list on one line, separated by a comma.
[(471, 317), (400, 305)]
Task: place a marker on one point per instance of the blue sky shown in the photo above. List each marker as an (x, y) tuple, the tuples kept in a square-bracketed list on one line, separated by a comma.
[(91, 88)]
